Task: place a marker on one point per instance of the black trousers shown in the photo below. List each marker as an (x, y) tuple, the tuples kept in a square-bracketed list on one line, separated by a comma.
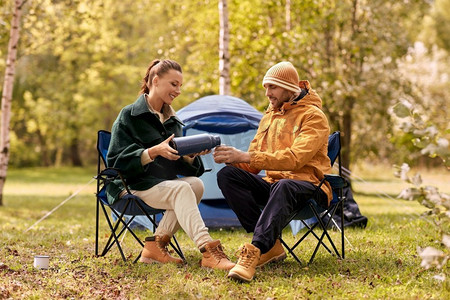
[(264, 208)]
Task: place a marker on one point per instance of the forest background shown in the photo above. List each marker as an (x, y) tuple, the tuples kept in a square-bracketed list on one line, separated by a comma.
[(80, 61)]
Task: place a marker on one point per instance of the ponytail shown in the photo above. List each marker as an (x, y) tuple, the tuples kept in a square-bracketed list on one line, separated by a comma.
[(157, 67)]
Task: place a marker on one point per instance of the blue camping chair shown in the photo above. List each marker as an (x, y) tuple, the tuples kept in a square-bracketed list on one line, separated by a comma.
[(129, 205), (312, 209)]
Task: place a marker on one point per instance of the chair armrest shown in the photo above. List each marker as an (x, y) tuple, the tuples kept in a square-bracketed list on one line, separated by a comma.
[(336, 181), (109, 174)]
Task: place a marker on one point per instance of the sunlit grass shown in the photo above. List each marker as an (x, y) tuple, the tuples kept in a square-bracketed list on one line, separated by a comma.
[(381, 260), (51, 182)]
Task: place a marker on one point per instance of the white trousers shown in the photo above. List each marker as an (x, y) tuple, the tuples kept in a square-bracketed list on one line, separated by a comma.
[(180, 199)]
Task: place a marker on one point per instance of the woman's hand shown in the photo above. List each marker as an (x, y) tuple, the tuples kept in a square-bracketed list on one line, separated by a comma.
[(164, 149), (229, 155), (204, 152), (190, 158)]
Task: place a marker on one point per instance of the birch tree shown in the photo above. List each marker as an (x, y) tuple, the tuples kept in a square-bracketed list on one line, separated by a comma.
[(288, 15), (7, 92), (224, 55)]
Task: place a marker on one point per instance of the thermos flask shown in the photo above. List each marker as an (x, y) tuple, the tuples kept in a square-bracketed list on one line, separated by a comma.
[(194, 143)]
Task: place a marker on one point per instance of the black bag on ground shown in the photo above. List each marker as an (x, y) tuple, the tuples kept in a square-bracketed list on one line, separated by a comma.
[(352, 215)]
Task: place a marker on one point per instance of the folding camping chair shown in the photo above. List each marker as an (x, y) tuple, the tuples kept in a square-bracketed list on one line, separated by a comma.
[(129, 205), (312, 209)]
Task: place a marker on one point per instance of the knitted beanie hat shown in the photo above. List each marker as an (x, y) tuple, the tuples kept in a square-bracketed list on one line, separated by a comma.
[(283, 74)]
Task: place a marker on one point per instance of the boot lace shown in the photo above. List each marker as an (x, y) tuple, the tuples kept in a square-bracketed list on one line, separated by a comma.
[(162, 247), (217, 253), (246, 257)]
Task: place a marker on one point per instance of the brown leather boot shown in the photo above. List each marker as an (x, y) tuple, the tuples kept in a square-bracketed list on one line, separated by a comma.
[(275, 254), (155, 251), (245, 268), (214, 257)]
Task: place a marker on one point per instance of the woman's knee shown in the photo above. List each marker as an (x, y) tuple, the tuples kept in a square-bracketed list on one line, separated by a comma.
[(196, 185)]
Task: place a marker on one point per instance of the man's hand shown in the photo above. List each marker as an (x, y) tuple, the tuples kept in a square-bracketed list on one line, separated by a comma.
[(230, 155)]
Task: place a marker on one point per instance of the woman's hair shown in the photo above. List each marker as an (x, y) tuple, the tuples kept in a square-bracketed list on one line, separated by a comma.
[(157, 67)]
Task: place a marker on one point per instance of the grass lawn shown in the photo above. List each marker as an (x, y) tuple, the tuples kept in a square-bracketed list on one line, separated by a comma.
[(380, 263)]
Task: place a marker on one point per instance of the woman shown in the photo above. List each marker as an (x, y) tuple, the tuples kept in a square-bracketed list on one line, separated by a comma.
[(140, 149)]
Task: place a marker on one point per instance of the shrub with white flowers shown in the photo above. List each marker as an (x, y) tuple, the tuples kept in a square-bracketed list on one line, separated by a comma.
[(429, 141)]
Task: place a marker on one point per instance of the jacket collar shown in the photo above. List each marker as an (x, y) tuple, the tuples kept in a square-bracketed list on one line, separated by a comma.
[(307, 97), (140, 107)]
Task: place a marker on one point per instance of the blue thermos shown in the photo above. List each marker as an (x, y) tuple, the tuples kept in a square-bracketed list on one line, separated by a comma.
[(194, 143)]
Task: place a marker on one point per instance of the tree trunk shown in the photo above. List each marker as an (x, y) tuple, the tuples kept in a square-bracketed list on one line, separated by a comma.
[(58, 157), (347, 132), (75, 153), (45, 154), (288, 15), (349, 101), (224, 55), (8, 85)]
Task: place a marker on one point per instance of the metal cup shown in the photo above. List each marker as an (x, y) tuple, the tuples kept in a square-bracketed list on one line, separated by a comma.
[(41, 261)]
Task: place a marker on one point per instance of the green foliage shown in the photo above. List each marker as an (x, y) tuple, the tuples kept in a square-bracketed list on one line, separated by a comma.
[(422, 116), (381, 263), (437, 25), (81, 61), (423, 134)]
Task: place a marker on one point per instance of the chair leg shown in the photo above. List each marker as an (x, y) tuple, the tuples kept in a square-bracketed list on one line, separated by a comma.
[(310, 230), (342, 224), (325, 230), (96, 227), (113, 238), (325, 233), (126, 226), (177, 248), (291, 251)]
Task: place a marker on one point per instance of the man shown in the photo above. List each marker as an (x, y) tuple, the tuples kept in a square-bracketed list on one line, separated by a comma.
[(291, 146)]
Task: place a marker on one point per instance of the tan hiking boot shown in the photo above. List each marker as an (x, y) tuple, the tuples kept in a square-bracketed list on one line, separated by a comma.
[(275, 254), (248, 259), (214, 257), (155, 251)]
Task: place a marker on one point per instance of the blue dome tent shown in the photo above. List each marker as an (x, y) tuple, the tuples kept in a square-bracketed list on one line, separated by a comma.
[(220, 114), (235, 121)]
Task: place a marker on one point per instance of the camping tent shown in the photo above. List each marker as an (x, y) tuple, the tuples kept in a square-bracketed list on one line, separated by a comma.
[(235, 121)]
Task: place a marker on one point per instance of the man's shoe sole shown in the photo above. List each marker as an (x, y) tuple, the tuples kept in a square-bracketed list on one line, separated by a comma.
[(274, 259), (239, 277)]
